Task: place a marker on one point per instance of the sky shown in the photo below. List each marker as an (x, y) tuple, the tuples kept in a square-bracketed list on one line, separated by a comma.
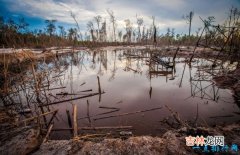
[(168, 13)]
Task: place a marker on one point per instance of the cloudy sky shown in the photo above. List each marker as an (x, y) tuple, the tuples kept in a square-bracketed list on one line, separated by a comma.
[(168, 13)]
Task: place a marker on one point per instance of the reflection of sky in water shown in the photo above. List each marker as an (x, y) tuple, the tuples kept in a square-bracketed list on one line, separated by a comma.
[(132, 89)]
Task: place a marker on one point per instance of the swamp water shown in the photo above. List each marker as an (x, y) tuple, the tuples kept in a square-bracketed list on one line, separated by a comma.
[(132, 82)]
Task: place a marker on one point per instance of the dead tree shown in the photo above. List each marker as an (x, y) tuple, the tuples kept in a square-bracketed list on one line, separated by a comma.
[(128, 27), (103, 32), (98, 19), (78, 27), (189, 18), (90, 27), (139, 23), (113, 21)]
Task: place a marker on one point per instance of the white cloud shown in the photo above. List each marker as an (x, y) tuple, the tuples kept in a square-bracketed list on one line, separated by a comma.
[(168, 13)]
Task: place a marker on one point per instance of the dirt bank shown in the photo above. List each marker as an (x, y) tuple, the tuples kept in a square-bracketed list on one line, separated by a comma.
[(19, 55), (171, 143), (18, 140)]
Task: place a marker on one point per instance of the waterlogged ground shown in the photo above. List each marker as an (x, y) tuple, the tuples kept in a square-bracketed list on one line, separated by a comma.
[(131, 83)]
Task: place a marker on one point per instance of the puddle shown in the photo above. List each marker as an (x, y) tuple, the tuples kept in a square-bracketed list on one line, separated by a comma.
[(132, 83)]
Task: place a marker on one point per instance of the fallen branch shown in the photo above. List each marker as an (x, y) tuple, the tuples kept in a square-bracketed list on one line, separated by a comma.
[(75, 126), (130, 113), (103, 107), (66, 93), (48, 133), (57, 76), (221, 116), (54, 88), (238, 113), (35, 117), (83, 83), (132, 69), (176, 117), (69, 121), (89, 136), (50, 121), (112, 111), (96, 128), (77, 98), (86, 90), (99, 88)]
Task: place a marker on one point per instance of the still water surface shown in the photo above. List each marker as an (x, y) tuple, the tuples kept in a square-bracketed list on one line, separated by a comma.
[(131, 83)]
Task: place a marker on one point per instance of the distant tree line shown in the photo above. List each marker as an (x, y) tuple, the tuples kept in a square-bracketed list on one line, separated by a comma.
[(17, 33)]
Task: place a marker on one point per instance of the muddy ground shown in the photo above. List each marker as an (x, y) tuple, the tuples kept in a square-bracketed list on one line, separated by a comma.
[(171, 143)]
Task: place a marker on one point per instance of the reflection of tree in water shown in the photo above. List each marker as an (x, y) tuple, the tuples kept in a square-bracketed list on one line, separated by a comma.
[(128, 64), (50, 73), (133, 60), (93, 65), (59, 74), (103, 55), (161, 66), (100, 71), (139, 66), (201, 83), (112, 77), (81, 63), (157, 66), (102, 60)]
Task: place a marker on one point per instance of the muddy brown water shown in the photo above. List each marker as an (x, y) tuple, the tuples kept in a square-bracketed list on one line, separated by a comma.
[(129, 87)]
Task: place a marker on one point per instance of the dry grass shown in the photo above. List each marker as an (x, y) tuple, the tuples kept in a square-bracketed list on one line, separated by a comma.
[(16, 56)]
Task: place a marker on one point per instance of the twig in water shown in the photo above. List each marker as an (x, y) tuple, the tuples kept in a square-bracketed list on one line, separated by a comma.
[(176, 116), (77, 98), (48, 133), (130, 113), (99, 89), (83, 83), (75, 126), (104, 107)]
